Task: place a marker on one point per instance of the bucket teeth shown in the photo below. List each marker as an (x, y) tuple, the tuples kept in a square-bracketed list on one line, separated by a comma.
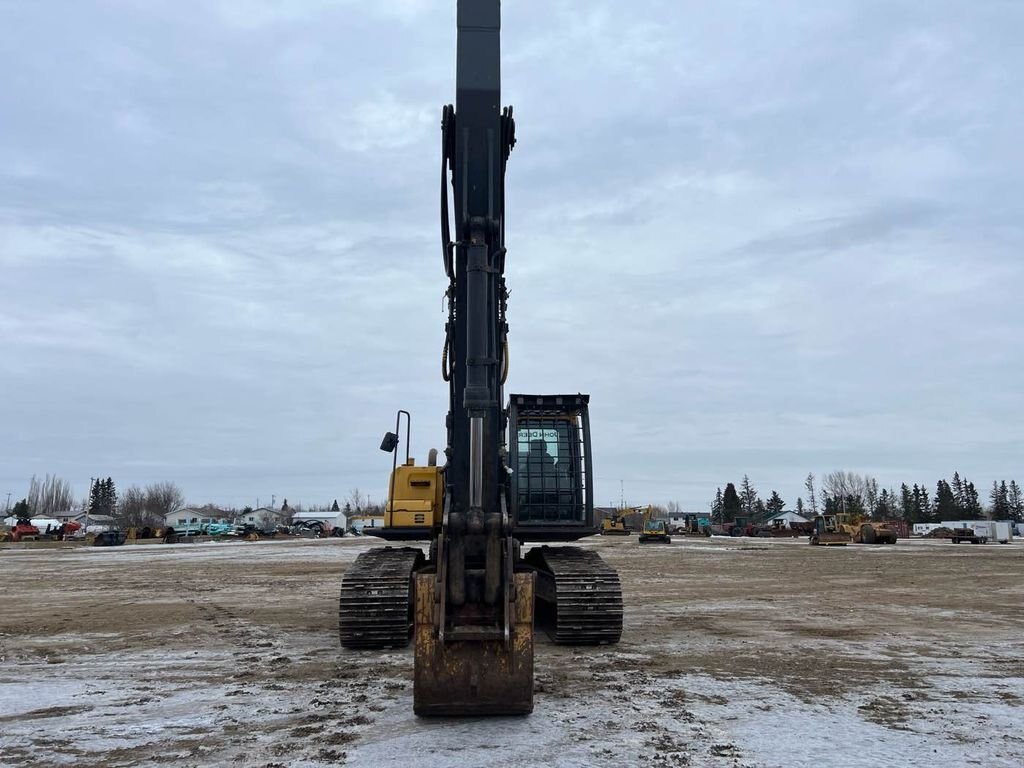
[(375, 607)]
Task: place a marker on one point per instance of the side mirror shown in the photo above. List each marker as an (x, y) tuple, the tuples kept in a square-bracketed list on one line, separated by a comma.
[(390, 442)]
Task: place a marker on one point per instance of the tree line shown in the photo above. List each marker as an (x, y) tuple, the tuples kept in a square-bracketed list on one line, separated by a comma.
[(150, 505), (861, 495)]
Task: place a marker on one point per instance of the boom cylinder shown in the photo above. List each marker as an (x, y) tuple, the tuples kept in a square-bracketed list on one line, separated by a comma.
[(476, 462)]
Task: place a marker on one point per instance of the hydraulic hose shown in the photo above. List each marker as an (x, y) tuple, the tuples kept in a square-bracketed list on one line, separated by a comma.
[(446, 373)]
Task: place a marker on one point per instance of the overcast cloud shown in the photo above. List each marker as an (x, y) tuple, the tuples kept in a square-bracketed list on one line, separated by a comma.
[(768, 238)]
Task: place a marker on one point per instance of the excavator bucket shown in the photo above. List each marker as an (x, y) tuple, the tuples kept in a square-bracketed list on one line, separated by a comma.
[(473, 677)]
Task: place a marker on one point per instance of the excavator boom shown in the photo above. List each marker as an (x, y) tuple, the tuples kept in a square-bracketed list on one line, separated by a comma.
[(474, 617), (511, 475)]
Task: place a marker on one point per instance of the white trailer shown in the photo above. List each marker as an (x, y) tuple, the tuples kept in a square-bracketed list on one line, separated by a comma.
[(1001, 531)]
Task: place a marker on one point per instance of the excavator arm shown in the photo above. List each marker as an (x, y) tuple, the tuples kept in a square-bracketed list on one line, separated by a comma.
[(510, 475), (474, 652), (477, 139)]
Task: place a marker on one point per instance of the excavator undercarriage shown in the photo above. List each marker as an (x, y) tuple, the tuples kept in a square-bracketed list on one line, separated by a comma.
[(390, 595)]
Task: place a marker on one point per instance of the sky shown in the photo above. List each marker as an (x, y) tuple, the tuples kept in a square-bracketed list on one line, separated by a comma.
[(767, 238)]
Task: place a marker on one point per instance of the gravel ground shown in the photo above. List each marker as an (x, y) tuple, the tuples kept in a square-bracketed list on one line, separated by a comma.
[(736, 652)]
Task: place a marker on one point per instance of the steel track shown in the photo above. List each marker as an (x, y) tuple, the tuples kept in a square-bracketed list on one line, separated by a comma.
[(588, 595), (375, 607)]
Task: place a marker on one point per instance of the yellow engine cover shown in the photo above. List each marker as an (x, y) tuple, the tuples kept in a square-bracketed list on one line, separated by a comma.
[(417, 499)]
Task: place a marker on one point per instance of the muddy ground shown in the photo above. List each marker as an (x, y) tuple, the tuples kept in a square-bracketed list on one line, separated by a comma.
[(735, 653)]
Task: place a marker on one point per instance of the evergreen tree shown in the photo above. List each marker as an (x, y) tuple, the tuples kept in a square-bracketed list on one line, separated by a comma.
[(927, 513), (109, 494), (748, 497), (335, 507), (760, 510), (915, 505), (284, 505), (855, 506), (775, 504), (850, 505), (1000, 502), (1015, 502), (906, 502), (102, 497), (871, 493), (812, 497), (348, 509), (731, 506), (946, 507), (885, 507), (716, 507), (94, 497), (21, 510), (972, 504), (959, 494), (800, 505), (920, 504)]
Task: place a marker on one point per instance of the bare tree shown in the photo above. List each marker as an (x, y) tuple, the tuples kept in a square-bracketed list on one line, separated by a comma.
[(748, 497), (870, 493), (131, 508), (673, 509), (163, 499), (49, 496), (840, 485), (357, 501)]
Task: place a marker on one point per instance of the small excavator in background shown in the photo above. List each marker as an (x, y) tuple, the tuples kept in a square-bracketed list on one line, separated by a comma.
[(512, 474), (616, 524), (653, 529)]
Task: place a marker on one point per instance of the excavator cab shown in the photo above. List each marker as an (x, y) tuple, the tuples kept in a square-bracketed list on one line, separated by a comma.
[(549, 455)]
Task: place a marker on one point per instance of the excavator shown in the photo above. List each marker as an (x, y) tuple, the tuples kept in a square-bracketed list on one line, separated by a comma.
[(616, 523), (653, 529), (514, 473)]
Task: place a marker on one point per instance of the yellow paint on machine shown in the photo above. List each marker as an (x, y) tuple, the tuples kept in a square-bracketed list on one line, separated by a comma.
[(417, 499)]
